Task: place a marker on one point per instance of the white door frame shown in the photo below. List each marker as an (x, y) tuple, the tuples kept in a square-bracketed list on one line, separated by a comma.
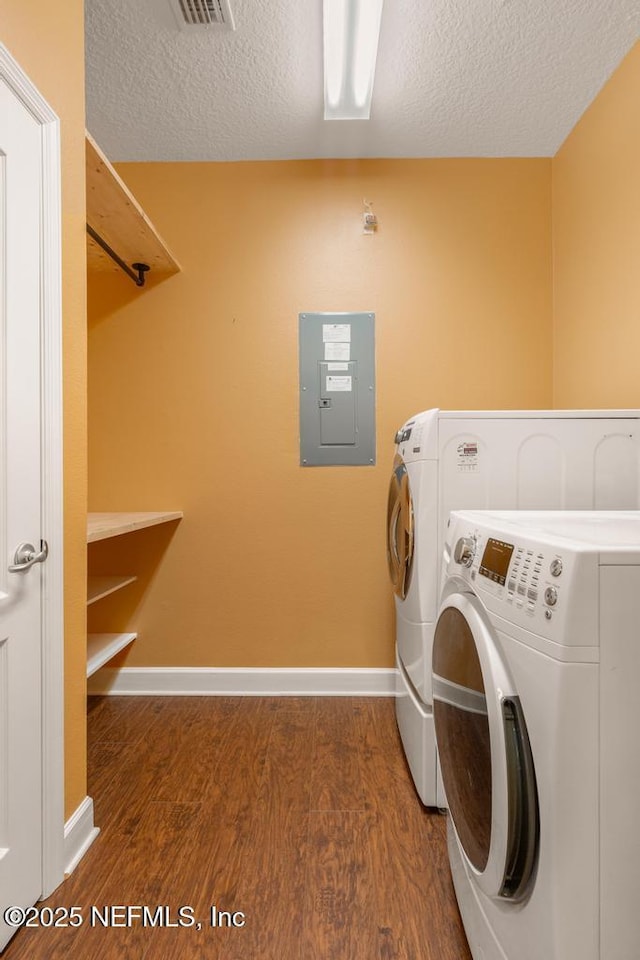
[(52, 484)]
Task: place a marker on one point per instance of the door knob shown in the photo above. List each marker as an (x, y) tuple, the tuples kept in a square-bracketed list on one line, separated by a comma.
[(26, 556)]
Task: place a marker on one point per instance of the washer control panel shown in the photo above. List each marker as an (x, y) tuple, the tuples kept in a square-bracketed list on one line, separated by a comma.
[(529, 579), (543, 583)]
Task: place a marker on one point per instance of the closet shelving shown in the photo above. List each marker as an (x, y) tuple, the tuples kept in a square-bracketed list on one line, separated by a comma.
[(102, 647), (120, 236), (117, 223)]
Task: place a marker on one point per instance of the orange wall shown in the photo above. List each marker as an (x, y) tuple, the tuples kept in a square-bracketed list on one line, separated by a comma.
[(596, 242), (42, 38), (193, 391)]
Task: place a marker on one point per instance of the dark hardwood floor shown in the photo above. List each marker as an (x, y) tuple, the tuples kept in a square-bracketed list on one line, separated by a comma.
[(296, 817)]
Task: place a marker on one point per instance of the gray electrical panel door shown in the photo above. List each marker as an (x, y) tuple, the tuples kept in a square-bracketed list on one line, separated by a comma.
[(337, 389)]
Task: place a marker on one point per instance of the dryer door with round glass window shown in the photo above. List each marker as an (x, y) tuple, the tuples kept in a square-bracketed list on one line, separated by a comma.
[(400, 529), (485, 755)]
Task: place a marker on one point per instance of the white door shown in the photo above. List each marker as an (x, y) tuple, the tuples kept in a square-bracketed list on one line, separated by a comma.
[(20, 507)]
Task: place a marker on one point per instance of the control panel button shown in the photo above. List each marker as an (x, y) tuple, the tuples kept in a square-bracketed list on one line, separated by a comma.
[(556, 567), (464, 551), (551, 596)]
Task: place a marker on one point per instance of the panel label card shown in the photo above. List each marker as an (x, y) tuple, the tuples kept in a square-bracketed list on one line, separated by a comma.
[(337, 351), (337, 366), (336, 333), (339, 384)]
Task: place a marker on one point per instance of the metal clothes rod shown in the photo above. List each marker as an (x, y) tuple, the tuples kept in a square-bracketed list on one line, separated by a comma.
[(138, 278)]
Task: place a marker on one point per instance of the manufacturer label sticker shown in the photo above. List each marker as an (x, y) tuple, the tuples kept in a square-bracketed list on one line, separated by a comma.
[(467, 457)]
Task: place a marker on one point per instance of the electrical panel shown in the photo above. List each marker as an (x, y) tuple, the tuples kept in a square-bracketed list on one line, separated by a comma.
[(337, 389)]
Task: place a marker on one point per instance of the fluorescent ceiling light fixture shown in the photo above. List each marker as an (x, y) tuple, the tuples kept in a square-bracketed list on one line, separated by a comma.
[(351, 32)]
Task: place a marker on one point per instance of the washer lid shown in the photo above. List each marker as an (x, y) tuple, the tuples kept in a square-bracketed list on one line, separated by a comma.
[(485, 755)]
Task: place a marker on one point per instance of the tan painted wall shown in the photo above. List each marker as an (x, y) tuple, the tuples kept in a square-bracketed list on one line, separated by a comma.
[(193, 387), (596, 241), (42, 38)]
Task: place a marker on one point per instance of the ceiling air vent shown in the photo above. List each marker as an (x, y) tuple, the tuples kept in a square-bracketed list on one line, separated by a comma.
[(202, 13)]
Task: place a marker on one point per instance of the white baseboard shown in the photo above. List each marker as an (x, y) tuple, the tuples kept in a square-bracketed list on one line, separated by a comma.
[(79, 834), (246, 681)]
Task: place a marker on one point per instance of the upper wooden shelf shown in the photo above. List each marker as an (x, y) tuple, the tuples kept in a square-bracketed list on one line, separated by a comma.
[(115, 214), (100, 526)]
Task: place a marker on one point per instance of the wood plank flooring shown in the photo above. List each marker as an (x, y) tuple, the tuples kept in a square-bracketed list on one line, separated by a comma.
[(296, 815)]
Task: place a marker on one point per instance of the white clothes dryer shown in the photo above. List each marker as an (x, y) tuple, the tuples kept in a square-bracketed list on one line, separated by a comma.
[(536, 668), (505, 459)]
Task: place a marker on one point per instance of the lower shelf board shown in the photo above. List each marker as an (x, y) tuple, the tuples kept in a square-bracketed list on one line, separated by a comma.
[(101, 647)]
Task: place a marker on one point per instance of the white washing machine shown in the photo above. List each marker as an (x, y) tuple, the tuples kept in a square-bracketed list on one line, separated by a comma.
[(507, 459), (536, 672)]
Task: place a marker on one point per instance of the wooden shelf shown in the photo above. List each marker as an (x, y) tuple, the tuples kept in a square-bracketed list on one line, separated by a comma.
[(101, 647), (115, 214), (100, 587), (100, 526)]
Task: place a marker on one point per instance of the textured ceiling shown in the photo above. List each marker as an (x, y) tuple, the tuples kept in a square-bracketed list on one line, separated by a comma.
[(454, 78)]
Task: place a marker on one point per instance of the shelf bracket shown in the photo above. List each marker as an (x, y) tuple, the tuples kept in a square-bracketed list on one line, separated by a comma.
[(139, 270)]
